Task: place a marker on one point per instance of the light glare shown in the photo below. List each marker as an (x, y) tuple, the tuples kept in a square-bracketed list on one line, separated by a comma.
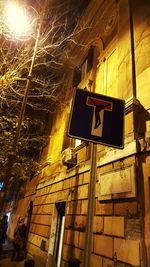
[(17, 20)]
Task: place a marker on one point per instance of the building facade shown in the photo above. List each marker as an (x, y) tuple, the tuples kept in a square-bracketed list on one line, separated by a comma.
[(111, 57)]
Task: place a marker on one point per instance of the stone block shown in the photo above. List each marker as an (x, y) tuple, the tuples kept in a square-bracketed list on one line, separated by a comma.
[(72, 238), (104, 208), (82, 192), (82, 240), (84, 206), (126, 208), (127, 251), (103, 245), (98, 224), (114, 225), (96, 260), (81, 155), (74, 207), (86, 177)]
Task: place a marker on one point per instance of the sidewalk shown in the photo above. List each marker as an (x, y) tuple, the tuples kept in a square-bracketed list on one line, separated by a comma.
[(8, 263), (5, 261)]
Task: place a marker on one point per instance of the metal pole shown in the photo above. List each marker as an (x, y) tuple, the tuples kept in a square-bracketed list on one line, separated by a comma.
[(91, 207), (26, 92)]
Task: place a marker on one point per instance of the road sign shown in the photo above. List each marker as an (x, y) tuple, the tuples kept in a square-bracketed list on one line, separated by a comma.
[(97, 118)]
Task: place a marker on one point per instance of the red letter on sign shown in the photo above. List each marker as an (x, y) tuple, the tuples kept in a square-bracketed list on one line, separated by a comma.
[(99, 106)]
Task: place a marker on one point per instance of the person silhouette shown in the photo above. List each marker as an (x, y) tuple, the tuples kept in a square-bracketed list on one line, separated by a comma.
[(19, 239), (4, 225)]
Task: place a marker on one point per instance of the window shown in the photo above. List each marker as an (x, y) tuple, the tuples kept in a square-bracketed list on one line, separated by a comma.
[(107, 72), (111, 74), (80, 77), (81, 72)]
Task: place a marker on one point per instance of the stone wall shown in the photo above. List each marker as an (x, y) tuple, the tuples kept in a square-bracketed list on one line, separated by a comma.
[(122, 213)]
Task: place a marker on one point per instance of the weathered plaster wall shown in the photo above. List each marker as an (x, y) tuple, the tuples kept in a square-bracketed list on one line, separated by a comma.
[(121, 223)]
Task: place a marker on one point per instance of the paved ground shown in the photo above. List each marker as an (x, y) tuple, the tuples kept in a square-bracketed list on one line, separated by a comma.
[(8, 263), (5, 260)]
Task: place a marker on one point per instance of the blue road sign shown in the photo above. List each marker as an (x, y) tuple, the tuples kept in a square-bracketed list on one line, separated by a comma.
[(97, 118)]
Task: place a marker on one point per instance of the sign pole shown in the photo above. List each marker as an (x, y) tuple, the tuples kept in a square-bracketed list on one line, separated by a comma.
[(99, 119), (91, 207)]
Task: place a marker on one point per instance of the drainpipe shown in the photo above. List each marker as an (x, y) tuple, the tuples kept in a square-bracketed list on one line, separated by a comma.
[(132, 48), (144, 252)]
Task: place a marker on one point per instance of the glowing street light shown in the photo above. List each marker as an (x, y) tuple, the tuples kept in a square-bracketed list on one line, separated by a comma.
[(17, 20)]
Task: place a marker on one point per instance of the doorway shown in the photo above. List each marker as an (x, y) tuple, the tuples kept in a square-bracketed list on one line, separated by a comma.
[(57, 233), (60, 231)]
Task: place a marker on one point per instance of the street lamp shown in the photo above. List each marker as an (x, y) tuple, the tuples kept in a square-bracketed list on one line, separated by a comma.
[(17, 20), (18, 24)]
